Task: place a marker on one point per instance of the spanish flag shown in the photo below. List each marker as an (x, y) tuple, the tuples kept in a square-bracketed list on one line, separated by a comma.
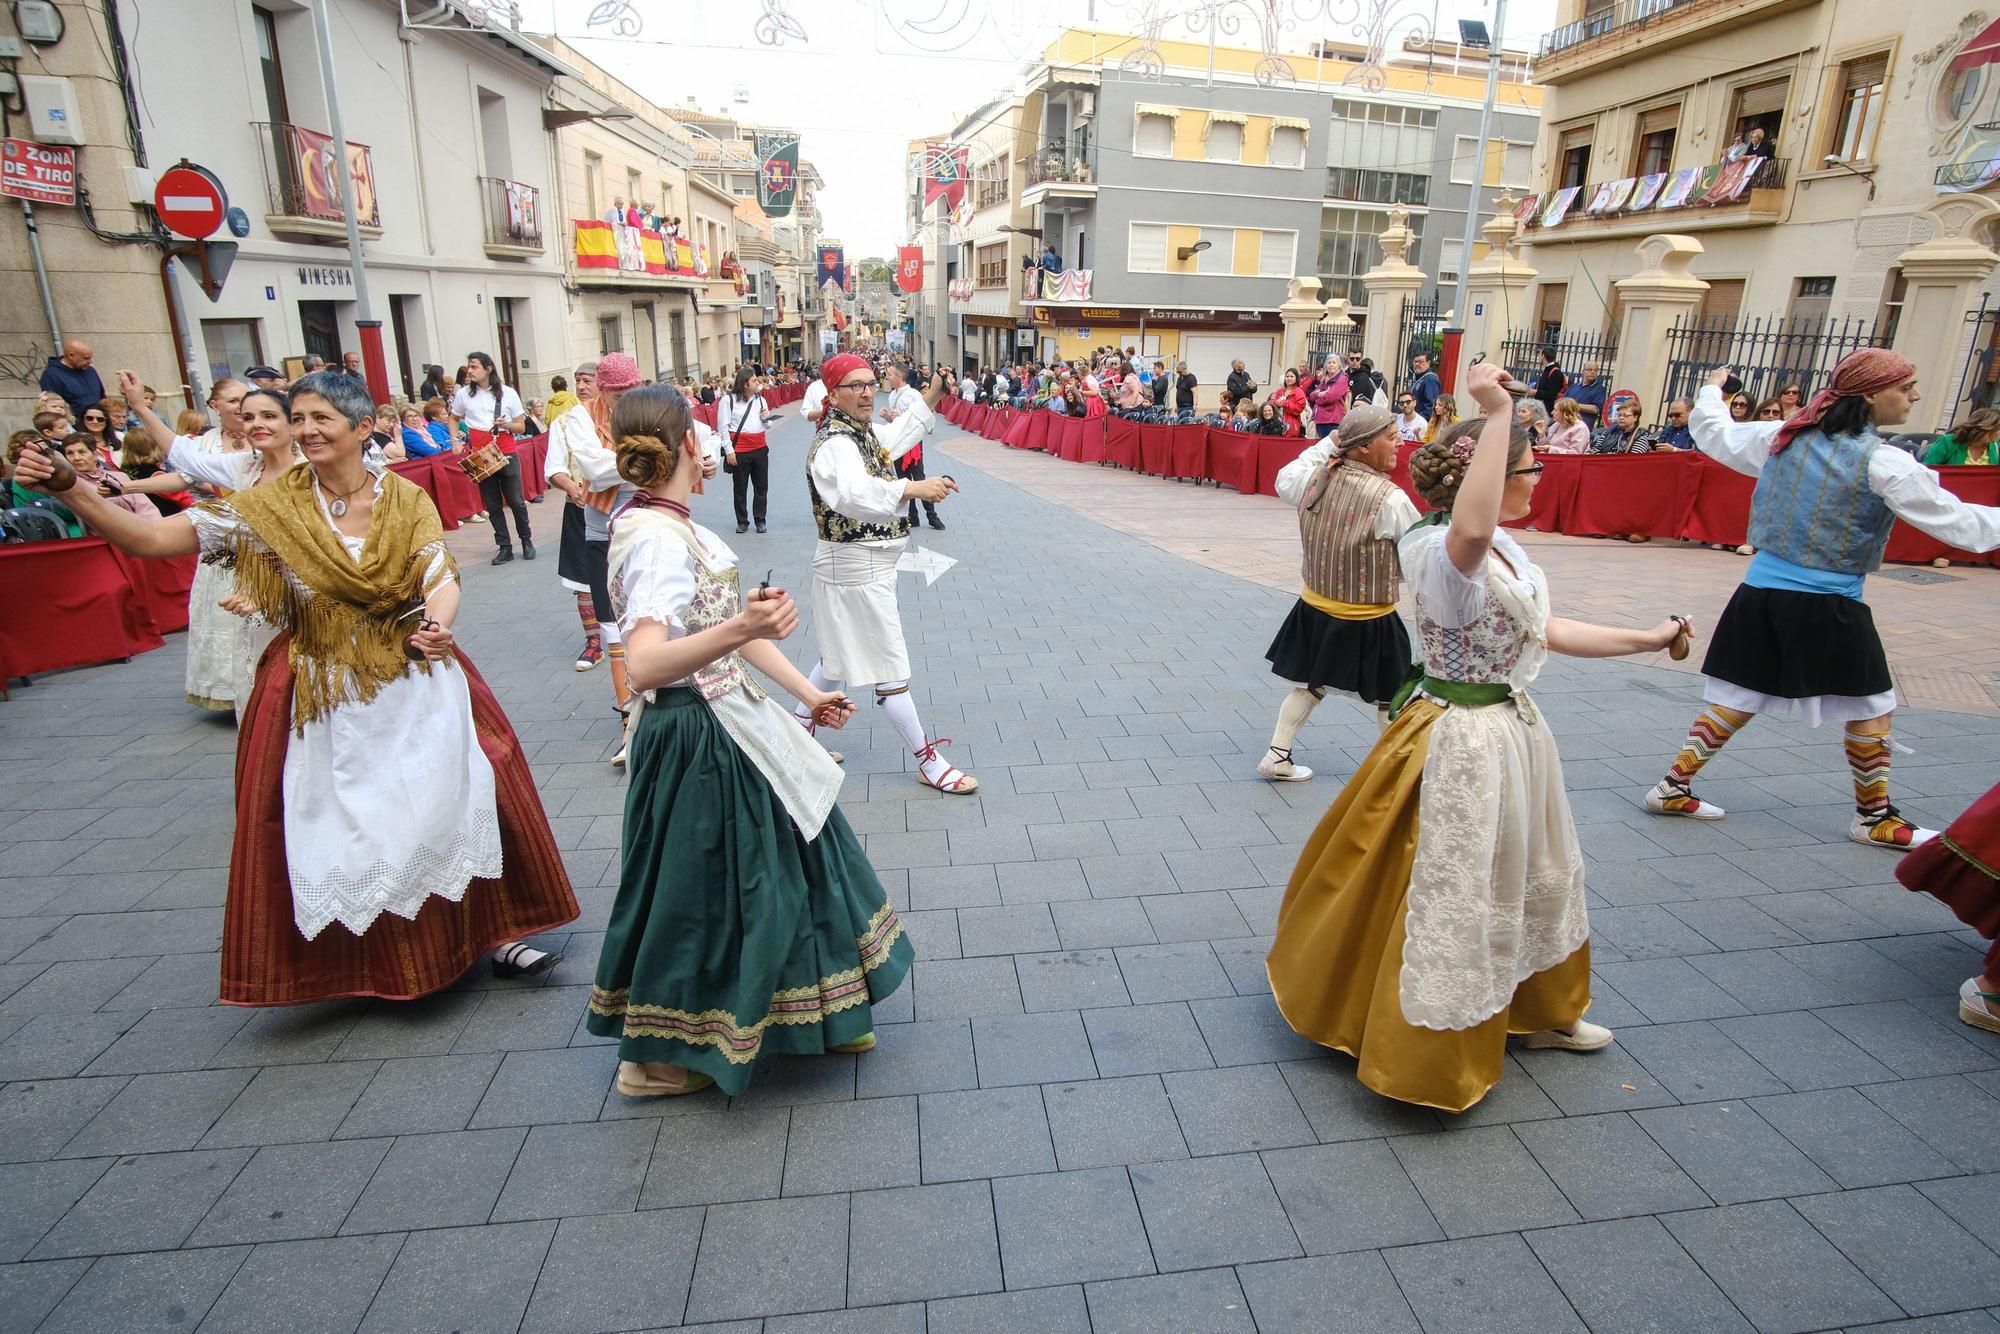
[(683, 257), (596, 244), (655, 248)]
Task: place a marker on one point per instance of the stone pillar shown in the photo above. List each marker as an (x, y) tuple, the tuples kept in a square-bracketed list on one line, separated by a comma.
[(1389, 284), (1496, 292), (1661, 292), (1301, 311), (1941, 280)]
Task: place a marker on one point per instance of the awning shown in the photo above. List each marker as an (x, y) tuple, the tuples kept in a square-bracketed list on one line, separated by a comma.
[(1082, 78), (1291, 123), (1229, 117), (1157, 109), (1981, 50)]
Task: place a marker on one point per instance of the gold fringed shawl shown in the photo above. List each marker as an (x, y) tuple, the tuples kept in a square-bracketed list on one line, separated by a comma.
[(347, 636)]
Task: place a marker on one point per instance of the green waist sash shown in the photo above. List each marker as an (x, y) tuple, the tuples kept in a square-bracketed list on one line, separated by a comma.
[(1472, 694)]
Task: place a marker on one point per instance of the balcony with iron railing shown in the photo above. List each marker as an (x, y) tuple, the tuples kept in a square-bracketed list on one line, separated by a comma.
[(1588, 40), (1692, 199), (302, 184), (513, 215), (1059, 169), (1980, 174)]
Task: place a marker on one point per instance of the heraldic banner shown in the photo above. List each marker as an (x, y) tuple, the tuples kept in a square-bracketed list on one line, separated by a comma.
[(777, 171)]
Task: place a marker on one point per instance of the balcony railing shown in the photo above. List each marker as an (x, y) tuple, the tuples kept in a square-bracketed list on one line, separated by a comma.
[(1069, 285), (1726, 185), (513, 214), (302, 181), (608, 250), (1968, 175), (1059, 165), (1367, 186), (1608, 19)]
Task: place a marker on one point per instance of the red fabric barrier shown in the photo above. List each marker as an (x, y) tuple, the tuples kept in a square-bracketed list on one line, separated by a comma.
[(1187, 451), (998, 422), (1975, 485), (1156, 450), (1067, 437), (1232, 459), (1273, 453), (1640, 494), (164, 584), (1121, 443), (1720, 509), (70, 604), (1094, 448)]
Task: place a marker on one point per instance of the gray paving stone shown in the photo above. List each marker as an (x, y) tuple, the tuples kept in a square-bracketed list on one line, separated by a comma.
[(420, 1095), (1776, 1269), (147, 1203), (1669, 990), (1112, 1121), (782, 1081), (1581, 1083), (1238, 1109), (163, 1291), (1127, 875), (37, 1195), (157, 1112), (1102, 923), (1031, 1048), (1194, 915), (579, 1293), (311, 1287), (1248, 1030), (38, 1117), (292, 1191), (1696, 1063), (1851, 1139), (433, 1181), (1340, 1107), (984, 1133), (1763, 982), (291, 1104), (1185, 1303), (540, 1087), (965, 988), (1041, 882), (1349, 1197), (593, 1168), (1950, 1113), (1906, 1038), (292, 1035), (1857, 972), (29, 1292), (179, 980), (1491, 1284), (1629, 1274), (905, 1319), (719, 1157), (1732, 1153), (522, 1019), (1481, 1180), (66, 988), (1332, 1294), (1069, 1227), (170, 1040), (1071, 980), (1517, 1097), (937, 887), (1182, 971), (1212, 1211), (919, 1058), (461, 1278), (1607, 1167), (852, 1146), (424, 1027), (1146, 1039), (922, 1242), (1088, 838), (55, 1046), (1044, 1310), (1908, 1247), (1014, 929), (771, 1257)]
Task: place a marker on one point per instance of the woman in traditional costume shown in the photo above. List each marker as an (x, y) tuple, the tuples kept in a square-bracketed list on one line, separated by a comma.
[(1961, 869), (379, 788), (212, 633), (1439, 906), (748, 919), (266, 416)]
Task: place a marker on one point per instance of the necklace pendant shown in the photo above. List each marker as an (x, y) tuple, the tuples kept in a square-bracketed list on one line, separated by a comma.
[(337, 508)]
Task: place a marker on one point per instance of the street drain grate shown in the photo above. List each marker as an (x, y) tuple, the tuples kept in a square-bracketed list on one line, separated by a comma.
[(1903, 576)]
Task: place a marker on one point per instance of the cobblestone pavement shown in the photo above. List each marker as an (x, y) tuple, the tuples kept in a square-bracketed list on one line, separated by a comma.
[(1084, 1113)]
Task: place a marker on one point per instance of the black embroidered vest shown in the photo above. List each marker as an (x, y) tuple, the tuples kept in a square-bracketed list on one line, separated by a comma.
[(833, 525)]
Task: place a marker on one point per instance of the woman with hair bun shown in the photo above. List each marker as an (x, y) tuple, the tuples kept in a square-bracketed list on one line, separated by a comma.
[(1439, 906), (748, 919)]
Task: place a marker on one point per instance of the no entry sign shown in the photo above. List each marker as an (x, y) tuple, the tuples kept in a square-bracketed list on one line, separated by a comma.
[(190, 201), (42, 173)]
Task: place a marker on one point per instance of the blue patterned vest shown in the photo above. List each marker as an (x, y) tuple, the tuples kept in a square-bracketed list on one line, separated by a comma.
[(1814, 507)]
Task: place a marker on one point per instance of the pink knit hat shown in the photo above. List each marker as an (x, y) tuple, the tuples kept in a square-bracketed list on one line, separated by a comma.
[(617, 371)]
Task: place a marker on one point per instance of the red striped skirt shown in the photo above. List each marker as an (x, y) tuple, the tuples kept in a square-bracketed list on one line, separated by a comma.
[(265, 961), (1961, 869)]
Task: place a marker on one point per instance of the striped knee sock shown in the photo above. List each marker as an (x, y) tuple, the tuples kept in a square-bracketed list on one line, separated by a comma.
[(615, 652), (586, 611), (1711, 731), (1868, 762)]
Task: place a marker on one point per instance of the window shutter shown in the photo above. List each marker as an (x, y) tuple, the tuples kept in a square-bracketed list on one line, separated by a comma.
[(1658, 119), (1450, 254), (1763, 99), (1865, 72), (1288, 147), (1155, 137), (1225, 141), (1148, 248), (1274, 255), (1220, 257)]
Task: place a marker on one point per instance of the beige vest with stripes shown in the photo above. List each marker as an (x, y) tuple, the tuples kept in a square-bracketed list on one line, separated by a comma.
[(1343, 558)]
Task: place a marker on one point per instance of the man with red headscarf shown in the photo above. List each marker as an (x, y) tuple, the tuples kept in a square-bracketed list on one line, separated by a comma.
[(857, 504), (1796, 638)]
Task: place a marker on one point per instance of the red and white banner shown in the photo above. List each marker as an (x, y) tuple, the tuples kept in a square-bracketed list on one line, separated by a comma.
[(910, 267), (945, 176)]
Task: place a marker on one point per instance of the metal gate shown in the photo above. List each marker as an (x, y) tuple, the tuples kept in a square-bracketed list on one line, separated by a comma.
[(1421, 330), (1979, 382), (1327, 341), (1766, 354)]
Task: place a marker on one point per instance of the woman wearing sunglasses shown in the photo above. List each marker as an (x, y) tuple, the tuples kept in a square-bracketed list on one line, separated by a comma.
[(1439, 906)]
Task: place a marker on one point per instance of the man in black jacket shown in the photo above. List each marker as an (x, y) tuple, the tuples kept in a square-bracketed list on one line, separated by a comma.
[(1184, 385), (1240, 385)]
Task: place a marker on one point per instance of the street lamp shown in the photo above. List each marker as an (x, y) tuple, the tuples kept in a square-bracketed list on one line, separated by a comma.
[(554, 118), (1188, 252)]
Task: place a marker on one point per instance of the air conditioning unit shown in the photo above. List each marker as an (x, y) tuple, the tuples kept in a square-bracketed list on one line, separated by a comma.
[(1086, 105)]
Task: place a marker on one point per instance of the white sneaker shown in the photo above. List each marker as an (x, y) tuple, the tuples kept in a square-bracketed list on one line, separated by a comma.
[(1977, 1007), (1696, 809), (1583, 1036), (1889, 831), (1278, 767)]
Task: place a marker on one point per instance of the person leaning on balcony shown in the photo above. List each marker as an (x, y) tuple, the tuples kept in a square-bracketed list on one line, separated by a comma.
[(1568, 435), (615, 215), (1051, 261), (1976, 440)]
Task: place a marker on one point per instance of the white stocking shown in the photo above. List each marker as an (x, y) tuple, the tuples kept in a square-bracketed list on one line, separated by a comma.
[(901, 711), (1292, 715)]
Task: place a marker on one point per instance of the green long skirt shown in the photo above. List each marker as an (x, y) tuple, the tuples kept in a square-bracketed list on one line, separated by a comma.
[(732, 934)]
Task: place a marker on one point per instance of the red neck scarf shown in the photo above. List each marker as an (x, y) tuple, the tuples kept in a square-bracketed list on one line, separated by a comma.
[(1868, 371)]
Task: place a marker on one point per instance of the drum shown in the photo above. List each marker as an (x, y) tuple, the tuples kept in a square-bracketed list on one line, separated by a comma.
[(483, 462)]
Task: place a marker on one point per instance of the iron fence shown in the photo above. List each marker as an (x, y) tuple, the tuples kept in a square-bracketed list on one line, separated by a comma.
[(1766, 354), (1521, 352), (1325, 340), (1979, 382), (513, 213), (1420, 331)]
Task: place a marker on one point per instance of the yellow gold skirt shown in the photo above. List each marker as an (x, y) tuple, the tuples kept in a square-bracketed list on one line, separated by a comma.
[(1335, 967)]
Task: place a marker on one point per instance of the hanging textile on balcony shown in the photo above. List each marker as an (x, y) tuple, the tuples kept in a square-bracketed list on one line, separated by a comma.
[(596, 244), (1559, 203), (1731, 181), (1684, 182), (1526, 211), (1609, 198), (1069, 285), (1647, 192)]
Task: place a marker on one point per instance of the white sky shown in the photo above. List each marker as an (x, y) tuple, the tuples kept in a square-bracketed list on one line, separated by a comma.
[(873, 74)]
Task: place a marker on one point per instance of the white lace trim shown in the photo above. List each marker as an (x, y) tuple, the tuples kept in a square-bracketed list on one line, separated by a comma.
[(355, 900), (1496, 891)]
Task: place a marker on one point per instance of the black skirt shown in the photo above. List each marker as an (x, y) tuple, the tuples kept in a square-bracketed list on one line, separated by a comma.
[(582, 561), (1366, 658), (1797, 645)]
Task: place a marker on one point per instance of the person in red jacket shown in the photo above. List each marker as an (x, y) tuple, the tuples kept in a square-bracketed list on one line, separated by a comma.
[(1291, 401)]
